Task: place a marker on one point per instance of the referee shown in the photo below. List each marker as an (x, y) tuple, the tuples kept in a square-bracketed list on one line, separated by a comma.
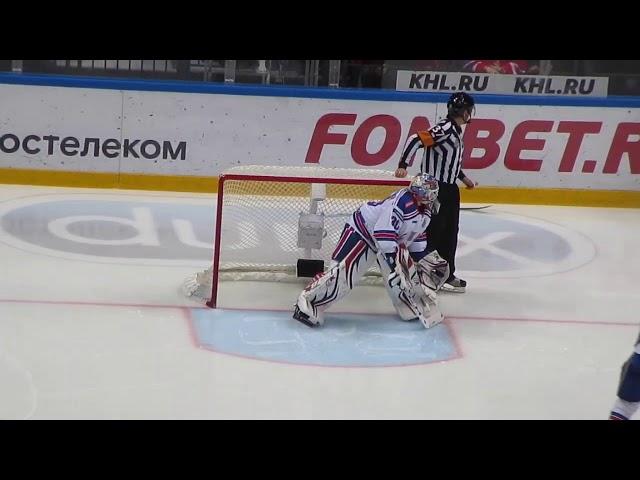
[(442, 157)]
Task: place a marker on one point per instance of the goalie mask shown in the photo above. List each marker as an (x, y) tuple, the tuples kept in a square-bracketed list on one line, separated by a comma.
[(424, 188)]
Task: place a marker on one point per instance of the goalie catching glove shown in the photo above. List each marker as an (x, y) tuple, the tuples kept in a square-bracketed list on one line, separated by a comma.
[(433, 271)]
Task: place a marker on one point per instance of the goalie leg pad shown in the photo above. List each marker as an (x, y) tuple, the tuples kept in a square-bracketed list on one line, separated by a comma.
[(415, 307), (333, 285), (398, 285), (404, 305), (434, 315), (429, 298), (305, 313), (428, 302), (410, 299)]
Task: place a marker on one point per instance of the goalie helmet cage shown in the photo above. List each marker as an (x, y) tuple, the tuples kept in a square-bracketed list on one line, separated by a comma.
[(254, 196)]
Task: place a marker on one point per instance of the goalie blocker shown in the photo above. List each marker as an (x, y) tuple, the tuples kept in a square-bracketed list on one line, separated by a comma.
[(390, 232)]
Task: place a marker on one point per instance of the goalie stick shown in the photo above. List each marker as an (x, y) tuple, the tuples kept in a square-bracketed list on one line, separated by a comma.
[(476, 208)]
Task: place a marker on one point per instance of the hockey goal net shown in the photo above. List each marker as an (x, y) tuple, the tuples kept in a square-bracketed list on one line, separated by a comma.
[(272, 219)]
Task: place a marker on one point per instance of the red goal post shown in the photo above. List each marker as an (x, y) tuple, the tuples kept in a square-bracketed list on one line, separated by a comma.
[(269, 217)]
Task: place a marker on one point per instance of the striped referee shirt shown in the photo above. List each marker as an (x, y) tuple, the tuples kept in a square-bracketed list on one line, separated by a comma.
[(442, 151)]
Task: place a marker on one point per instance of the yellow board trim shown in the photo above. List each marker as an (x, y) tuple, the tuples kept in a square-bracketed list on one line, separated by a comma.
[(175, 183), (552, 196), (181, 183)]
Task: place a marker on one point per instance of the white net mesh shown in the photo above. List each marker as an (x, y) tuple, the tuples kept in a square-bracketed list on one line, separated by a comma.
[(261, 208), (384, 176)]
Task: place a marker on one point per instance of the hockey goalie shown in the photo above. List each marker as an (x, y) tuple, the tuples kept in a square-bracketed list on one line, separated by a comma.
[(392, 233)]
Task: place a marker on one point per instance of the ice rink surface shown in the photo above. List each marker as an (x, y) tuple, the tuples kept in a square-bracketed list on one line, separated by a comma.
[(93, 324)]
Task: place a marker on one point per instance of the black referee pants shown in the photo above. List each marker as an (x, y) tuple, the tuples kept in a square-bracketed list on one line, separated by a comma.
[(442, 232)]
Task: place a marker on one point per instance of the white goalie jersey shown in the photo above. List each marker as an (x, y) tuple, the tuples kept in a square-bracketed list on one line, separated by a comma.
[(396, 220)]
